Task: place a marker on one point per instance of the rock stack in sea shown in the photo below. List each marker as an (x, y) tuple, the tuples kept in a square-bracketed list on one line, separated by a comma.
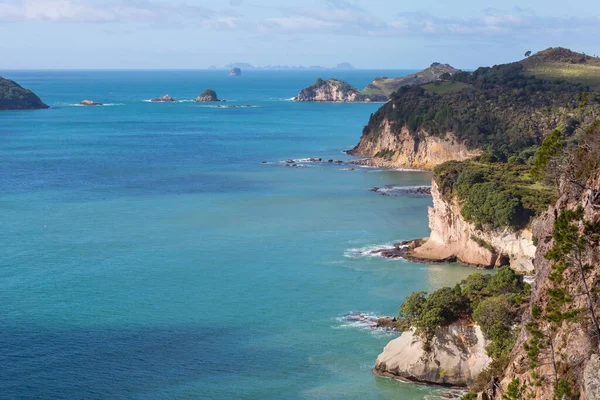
[(89, 103), (164, 99), (208, 96), (235, 72)]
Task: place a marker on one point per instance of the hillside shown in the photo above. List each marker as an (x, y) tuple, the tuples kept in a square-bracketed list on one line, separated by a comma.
[(560, 63), (334, 90), (506, 107), (530, 200), (14, 97), (386, 86)]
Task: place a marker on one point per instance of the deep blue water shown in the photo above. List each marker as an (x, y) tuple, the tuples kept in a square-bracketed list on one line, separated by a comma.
[(149, 254)]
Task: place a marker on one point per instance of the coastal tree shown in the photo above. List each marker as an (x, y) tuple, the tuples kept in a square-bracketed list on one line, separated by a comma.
[(574, 239), (549, 158)]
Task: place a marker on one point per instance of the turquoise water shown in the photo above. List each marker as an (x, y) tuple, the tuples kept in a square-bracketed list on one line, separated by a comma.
[(149, 254)]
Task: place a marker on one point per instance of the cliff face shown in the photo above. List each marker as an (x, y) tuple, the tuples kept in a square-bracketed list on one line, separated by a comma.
[(15, 97), (396, 147), (576, 349), (454, 238), (458, 355)]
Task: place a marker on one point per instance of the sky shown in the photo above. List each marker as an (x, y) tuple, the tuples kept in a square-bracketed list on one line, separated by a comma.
[(374, 34)]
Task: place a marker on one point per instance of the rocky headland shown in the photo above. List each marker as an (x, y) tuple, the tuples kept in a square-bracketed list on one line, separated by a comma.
[(507, 107), (454, 239), (527, 198), (334, 90), (15, 97)]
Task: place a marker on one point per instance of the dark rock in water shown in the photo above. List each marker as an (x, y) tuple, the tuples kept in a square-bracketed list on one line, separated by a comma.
[(351, 169), (339, 162), (329, 161), (290, 161), (387, 323), (315, 159), (15, 97), (207, 96), (391, 190), (164, 99), (235, 72), (89, 103), (264, 162)]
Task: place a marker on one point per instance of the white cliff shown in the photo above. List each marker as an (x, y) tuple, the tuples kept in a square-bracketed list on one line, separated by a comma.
[(395, 147), (456, 357), (452, 237)]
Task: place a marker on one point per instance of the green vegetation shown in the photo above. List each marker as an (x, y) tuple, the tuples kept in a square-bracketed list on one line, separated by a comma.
[(493, 301), (442, 87), (575, 238), (494, 194), (505, 107), (14, 97), (588, 75)]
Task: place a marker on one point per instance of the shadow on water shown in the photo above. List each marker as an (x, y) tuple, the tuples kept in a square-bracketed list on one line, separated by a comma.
[(196, 362)]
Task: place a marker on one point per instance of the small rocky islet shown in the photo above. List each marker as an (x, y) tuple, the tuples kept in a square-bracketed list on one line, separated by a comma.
[(89, 103)]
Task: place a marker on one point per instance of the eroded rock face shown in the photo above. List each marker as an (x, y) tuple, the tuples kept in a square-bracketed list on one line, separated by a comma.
[(591, 378), (396, 147), (453, 237), (164, 99), (575, 341), (457, 356)]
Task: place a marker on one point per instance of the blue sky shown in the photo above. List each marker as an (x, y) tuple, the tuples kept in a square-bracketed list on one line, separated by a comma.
[(157, 34)]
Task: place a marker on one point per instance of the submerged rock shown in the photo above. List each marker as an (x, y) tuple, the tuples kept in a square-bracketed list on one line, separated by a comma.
[(90, 103), (456, 357), (164, 99)]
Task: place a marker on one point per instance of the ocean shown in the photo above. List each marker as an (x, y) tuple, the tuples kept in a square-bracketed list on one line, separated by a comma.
[(149, 253)]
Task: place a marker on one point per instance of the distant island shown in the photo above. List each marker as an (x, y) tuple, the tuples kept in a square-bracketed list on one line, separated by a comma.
[(333, 90), (345, 65), (245, 65), (15, 97), (235, 72)]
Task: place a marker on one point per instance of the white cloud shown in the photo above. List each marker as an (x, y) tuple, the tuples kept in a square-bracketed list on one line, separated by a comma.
[(334, 17), (95, 12)]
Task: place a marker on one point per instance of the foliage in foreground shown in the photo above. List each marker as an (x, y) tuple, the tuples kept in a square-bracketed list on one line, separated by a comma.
[(493, 301), (496, 194)]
